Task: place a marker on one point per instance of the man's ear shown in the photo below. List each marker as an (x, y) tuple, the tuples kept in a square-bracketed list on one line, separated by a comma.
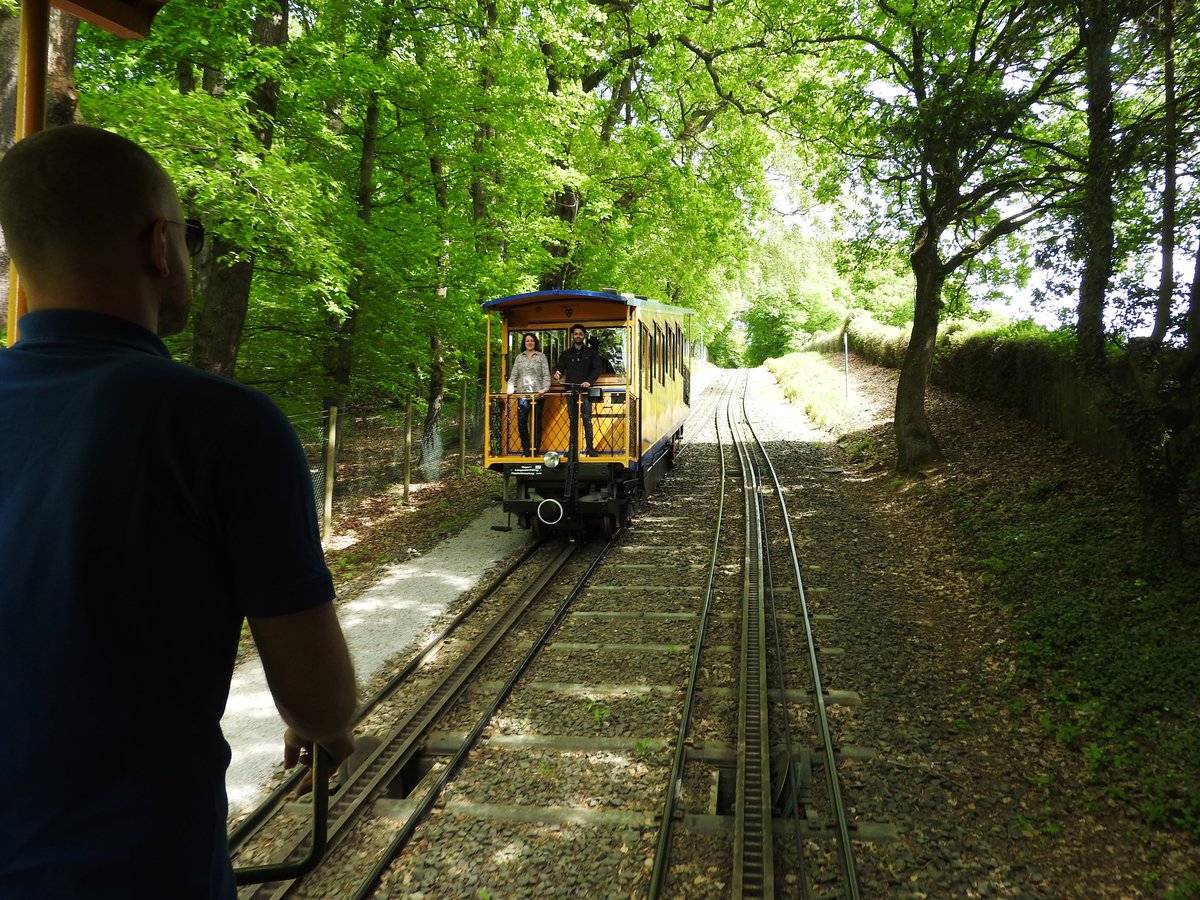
[(159, 247)]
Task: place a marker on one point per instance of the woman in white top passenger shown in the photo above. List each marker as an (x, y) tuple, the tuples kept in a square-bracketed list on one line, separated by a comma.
[(530, 375)]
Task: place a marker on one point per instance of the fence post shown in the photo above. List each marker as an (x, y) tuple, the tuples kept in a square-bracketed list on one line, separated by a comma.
[(846, 344), (407, 447), (462, 430), (330, 465)]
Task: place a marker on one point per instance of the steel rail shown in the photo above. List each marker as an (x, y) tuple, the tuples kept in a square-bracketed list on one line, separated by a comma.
[(282, 793), (789, 743), (753, 851), (434, 793), (828, 748)]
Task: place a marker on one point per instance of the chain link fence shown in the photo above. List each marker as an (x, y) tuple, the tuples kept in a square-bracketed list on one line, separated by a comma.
[(382, 452)]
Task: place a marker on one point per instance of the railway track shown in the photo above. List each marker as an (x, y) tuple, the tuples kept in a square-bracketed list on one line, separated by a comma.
[(764, 770), (622, 725), (384, 769)]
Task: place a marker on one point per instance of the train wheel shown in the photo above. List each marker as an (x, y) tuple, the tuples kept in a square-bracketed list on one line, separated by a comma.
[(611, 527), (538, 527)]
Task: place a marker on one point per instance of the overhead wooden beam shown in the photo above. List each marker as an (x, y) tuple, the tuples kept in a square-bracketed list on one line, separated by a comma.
[(121, 17)]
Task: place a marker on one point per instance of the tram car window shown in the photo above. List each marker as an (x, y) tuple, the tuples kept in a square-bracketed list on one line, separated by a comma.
[(575, 458)]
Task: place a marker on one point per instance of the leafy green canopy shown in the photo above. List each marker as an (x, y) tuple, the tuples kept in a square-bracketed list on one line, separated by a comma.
[(418, 158)]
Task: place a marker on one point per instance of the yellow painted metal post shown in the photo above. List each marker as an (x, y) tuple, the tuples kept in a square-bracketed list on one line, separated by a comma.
[(32, 67), (487, 392), (32, 50), (15, 304)]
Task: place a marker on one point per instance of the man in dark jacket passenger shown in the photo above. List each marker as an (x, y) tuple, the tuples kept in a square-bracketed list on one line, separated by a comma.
[(579, 365)]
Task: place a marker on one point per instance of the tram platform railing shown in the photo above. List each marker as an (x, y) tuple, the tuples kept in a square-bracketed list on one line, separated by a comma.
[(550, 420)]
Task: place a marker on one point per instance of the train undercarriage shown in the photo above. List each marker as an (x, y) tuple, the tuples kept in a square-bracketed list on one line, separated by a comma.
[(577, 497)]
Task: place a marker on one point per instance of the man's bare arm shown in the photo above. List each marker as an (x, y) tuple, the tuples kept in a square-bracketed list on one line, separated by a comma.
[(309, 672)]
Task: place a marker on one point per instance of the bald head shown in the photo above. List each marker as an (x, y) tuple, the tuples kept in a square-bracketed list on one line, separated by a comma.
[(86, 217)]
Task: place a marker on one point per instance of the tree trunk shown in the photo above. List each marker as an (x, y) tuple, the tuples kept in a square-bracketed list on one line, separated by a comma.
[(10, 35), (1166, 284), (1189, 364), (339, 357), (431, 434), (221, 319), (479, 413), (62, 99), (10, 32), (564, 205), (222, 315), (1161, 469), (485, 134), (431, 438), (339, 361), (1096, 219), (1133, 396), (916, 444), (481, 179)]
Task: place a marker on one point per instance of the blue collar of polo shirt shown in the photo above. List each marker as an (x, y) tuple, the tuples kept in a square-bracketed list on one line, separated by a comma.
[(80, 326)]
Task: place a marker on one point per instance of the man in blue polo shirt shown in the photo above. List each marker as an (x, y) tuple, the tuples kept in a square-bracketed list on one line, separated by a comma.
[(146, 510)]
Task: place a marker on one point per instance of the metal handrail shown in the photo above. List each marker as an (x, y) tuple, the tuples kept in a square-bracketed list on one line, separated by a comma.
[(286, 871)]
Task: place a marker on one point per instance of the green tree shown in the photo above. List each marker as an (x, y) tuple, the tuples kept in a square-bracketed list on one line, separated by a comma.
[(1151, 390), (957, 126), (199, 92), (793, 291), (220, 319)]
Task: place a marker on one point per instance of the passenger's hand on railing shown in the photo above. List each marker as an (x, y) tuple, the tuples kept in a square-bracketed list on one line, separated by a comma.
[(298, 750)]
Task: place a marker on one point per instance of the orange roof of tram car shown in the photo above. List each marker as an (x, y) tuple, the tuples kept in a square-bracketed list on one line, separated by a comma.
[(121, 17)]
